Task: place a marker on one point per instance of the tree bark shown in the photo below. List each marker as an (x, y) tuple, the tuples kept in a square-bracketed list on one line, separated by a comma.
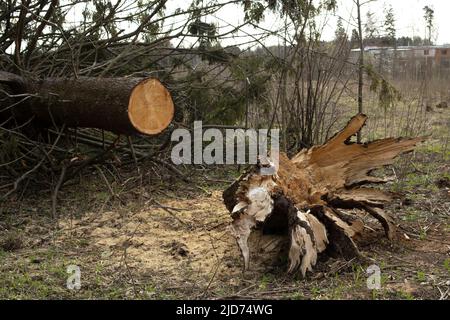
[(121, 105), (360, 67)]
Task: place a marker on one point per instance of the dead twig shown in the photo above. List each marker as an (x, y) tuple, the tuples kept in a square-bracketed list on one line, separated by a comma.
[(169, 211), (55, 192), (113, 194)]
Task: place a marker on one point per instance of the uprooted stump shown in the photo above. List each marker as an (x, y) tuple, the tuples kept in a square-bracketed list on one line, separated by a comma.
[(302, 210)]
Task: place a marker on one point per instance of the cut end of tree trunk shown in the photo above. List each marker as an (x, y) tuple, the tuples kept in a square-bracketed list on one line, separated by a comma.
[(122, 105), (151, 107), (303, 205)]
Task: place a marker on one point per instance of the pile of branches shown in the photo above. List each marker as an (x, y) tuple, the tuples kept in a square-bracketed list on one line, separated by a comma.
[(50, 158), (39, 40)]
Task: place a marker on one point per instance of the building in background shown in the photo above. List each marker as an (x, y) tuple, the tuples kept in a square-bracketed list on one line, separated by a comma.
[(410, 62)]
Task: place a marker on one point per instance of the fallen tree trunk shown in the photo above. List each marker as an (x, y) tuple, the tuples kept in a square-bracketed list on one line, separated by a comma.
[(299, 211), (121, 105)]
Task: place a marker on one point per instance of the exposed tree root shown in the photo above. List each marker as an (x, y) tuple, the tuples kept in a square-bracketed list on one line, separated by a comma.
[(304, 201)]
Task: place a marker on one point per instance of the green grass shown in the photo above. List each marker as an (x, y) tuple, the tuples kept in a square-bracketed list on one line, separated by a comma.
[(405, 295), (421, 276), (438, 149), (447, 264), (266, 279)]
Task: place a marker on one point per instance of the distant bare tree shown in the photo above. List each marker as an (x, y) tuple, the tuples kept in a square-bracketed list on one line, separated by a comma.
[(359, 4), (429, 20)]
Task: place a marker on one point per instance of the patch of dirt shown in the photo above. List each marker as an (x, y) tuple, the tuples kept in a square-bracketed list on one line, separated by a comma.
[(183, 239)]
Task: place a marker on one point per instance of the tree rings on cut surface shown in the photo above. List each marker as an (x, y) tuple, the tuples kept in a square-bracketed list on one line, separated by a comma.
[(150, 108)]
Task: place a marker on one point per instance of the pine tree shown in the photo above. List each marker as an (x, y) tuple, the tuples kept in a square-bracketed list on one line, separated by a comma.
[(389, 27), (370, 28), (340, 33), (355, 39)]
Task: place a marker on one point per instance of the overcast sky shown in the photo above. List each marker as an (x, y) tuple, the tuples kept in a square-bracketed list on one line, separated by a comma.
[(409, 16), (408, 13)]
